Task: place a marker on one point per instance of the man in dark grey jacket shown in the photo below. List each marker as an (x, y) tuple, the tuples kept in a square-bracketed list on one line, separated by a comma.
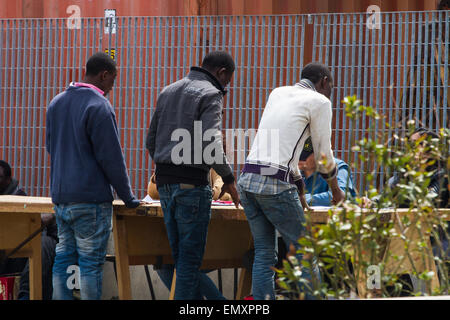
[(185, 141)]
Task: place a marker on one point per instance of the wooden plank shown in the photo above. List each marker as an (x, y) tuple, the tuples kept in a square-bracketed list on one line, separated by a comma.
[(416, 261), (146, 235), (15, 227), (149, 259), (23, 253), (172, 288), (122, 264), (35, 261), (44, 205), (245, 284), (227, 239), (25, 204)]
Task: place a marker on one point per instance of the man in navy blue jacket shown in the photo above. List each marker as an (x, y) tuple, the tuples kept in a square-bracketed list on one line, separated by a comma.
[(86, 162)]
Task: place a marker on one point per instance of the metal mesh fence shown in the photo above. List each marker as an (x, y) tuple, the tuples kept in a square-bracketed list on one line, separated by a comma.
[(401, 68)]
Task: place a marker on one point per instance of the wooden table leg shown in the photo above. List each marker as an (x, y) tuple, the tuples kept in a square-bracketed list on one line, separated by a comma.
[(122, 259), (35, 262), (245, 284), (434, 280), (362, 284), (172, 289)]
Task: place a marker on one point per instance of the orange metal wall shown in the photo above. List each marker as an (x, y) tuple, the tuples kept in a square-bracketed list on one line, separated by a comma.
[(72, 60), (95, 8)]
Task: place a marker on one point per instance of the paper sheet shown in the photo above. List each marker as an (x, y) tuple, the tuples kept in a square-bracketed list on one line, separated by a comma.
[(148, 199)]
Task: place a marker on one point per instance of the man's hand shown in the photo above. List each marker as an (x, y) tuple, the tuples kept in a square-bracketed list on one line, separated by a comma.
[(304, 203), (301, 194), (338, 194), (134, 203), (366, 202), (231, 189)]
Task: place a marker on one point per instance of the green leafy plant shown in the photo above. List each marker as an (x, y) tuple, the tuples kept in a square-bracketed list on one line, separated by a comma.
[(392, 235)]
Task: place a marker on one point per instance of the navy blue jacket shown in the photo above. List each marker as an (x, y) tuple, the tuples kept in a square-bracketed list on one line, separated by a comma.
[(83, 142)]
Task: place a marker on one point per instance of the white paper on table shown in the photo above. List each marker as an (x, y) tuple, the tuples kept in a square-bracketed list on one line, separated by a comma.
[(320, 208), (148, 199)]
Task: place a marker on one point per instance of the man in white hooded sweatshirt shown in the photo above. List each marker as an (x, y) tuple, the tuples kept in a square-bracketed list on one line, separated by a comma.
[(271, 182)]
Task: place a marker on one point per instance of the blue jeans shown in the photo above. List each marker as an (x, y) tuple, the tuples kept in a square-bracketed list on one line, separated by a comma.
[(265, 215), (83, 232), (207, 288), (187, 212)]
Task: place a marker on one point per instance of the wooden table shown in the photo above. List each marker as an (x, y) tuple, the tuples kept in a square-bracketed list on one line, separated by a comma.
[(140, 238), (19, 218), (17, 222)]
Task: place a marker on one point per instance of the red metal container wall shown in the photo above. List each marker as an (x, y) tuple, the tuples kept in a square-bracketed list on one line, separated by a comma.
[(133, 127), (56, 55), (95, 8)]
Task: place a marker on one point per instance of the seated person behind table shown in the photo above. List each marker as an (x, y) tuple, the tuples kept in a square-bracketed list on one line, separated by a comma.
[(216, 186), (10, 186), (438, 180), (207, 287), (438, 184), (317, 192)]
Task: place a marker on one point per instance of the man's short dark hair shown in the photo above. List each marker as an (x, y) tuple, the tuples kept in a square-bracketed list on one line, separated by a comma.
[(6, 168), (99, 62), (443, 4), (218, 59), (315, 72)]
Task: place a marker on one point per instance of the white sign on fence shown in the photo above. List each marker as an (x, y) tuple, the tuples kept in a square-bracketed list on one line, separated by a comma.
[(110, 21)]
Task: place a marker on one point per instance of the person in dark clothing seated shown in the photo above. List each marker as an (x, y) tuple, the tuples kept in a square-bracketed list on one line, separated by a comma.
[(438, 185), (438, 181), (10, 186)]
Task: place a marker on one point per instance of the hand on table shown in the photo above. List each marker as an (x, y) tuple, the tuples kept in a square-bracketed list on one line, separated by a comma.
[(366, 202), (338, 196), (304, 203), (231, 189)]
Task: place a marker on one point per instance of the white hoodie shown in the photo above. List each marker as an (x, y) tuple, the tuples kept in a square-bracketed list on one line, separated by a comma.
[(292, 114)]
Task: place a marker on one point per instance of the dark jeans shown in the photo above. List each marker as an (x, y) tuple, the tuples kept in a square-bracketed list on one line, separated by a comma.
[(207, 288), (187, 212)]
